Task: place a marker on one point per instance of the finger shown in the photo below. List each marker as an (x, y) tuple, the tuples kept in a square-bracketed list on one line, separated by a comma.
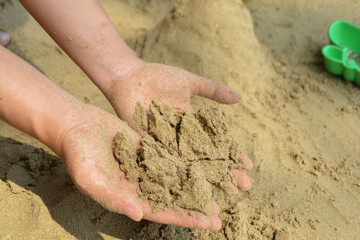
[(4, 38), (243, 181), (124, 203), (216, 208), (248, 162), (182, 103), (115, 201), (101, 180), (212, 90), (188, 219)]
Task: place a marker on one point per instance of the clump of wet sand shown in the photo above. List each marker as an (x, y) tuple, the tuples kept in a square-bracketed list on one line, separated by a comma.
[(184, 156)]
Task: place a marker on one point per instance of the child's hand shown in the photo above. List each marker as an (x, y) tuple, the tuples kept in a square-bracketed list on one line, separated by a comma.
[(86, 150), (170, 85), (82, 137)]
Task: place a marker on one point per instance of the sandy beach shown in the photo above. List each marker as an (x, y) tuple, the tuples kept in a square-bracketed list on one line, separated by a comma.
[(299, 124)]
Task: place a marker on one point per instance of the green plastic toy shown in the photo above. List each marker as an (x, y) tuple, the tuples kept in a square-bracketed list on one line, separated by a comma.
[(343, 57)]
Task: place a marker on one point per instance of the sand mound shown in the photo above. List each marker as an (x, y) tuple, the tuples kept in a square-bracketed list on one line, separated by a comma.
[(219, 38)]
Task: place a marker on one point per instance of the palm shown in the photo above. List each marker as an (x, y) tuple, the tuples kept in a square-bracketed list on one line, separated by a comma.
[(87, 154), (150, 82), (169, 85)]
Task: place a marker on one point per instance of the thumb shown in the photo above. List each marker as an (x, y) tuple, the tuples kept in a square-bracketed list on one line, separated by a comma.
[(117, 197), (212, 90), (124, 203)]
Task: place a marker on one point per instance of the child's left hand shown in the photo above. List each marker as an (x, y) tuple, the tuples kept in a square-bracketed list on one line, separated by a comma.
[(170, 85)]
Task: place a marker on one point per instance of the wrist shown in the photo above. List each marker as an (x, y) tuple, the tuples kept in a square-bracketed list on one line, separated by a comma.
[(125, 66), (121, 70), (54, 127), (117, 66)]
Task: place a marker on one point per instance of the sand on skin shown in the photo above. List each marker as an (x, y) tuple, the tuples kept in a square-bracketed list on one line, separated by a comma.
[(298, 123)]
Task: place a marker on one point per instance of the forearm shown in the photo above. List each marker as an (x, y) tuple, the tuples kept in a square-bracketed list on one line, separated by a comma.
[(31, 102), (87, 35)]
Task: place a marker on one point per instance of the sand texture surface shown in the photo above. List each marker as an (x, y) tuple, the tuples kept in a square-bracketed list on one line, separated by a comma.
[(183, 160), (299, 124)]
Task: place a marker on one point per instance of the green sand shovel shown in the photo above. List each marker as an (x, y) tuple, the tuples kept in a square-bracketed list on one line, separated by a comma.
[(343, 57)]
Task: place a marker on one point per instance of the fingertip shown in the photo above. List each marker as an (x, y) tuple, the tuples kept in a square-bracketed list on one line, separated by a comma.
[(249, 164), (212, 223), (235, 96), (243, 181), (213, 90), (130, 207), (226, 95), (134, 212), (215, 208), (215, 223)]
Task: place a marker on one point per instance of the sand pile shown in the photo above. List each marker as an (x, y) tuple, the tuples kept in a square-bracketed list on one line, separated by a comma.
[(219, 38), (183, 158)]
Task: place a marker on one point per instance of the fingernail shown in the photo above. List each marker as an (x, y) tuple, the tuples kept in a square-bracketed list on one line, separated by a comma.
[(134, 214), (235, 93)]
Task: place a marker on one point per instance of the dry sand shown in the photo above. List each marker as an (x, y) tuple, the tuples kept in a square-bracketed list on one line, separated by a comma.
[(299, 124)]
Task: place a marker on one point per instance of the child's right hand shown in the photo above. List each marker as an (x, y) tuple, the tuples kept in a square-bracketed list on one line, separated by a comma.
[(86, 150)]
